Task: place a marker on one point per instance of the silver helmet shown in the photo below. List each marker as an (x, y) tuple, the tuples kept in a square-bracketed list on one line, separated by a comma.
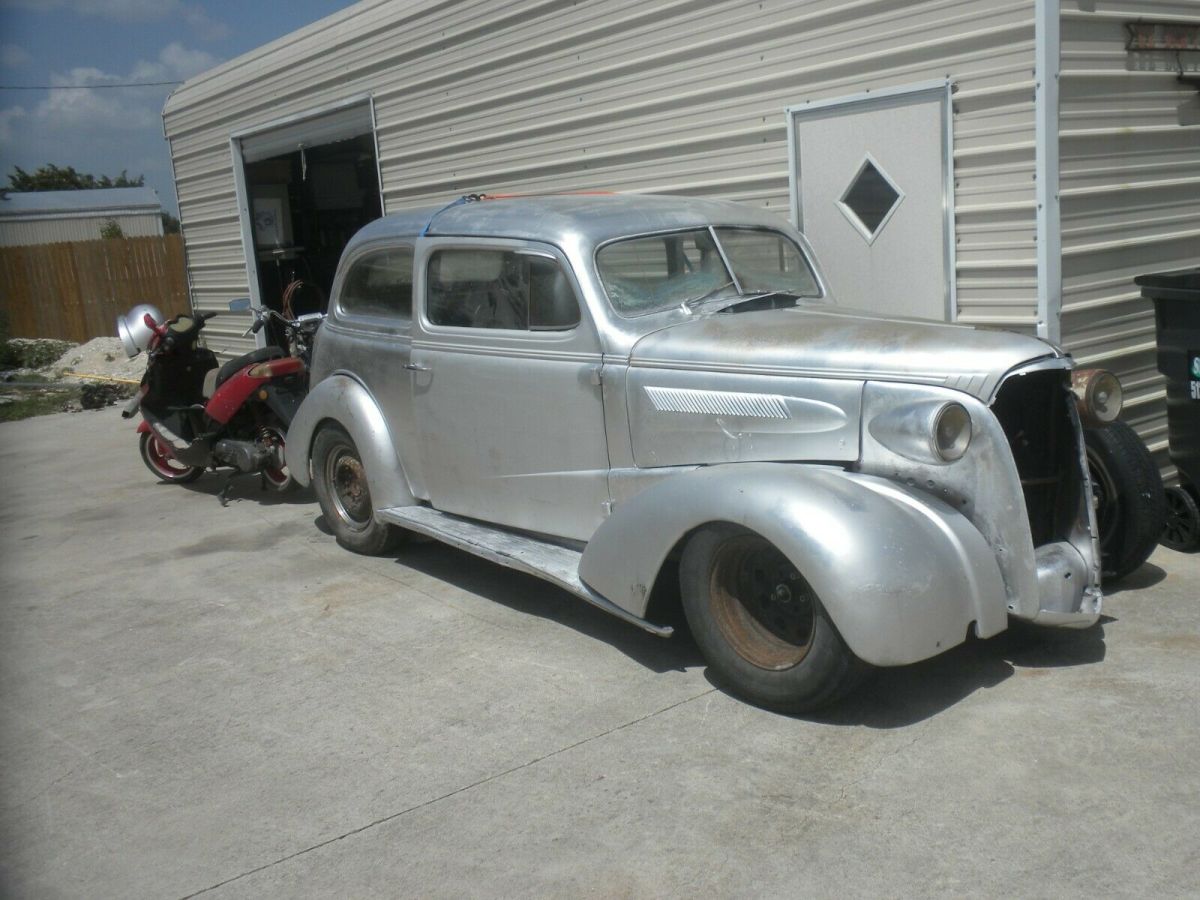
[(135, 334)]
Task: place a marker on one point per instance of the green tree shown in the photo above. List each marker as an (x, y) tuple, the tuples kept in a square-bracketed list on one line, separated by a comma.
[(111, 230), (55, 178), (170, 224)]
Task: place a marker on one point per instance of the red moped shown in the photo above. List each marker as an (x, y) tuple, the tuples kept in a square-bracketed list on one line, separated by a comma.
[(199, 415)]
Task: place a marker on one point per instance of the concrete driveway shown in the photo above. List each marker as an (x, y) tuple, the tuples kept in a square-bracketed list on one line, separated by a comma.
[(212, 701)]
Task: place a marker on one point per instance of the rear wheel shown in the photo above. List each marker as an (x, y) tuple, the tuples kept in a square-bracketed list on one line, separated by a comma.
[(276, 478), (340, 482), (1182, 531), (1127, 494), (760, 625), (164, 466)]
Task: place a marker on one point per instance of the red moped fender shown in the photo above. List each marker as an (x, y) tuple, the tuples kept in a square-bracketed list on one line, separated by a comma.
[(231, 395), (143, 427)]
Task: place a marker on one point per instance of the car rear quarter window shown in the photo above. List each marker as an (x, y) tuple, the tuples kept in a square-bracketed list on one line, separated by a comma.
[(474, 287), (380, 285)]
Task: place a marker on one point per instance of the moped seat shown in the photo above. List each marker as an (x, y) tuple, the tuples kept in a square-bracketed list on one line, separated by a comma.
[(235, 365)]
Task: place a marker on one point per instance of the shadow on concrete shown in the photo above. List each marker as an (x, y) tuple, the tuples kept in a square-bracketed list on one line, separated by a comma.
[(890, 698), (532, 596), (895, 698), (1146, 576), (245, 486)]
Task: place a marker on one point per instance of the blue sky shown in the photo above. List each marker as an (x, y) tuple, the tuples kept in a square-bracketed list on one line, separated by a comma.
[(69, 42)]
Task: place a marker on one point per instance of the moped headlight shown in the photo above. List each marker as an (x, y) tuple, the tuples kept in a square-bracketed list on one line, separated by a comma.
[(1098, 395), (952, 431)]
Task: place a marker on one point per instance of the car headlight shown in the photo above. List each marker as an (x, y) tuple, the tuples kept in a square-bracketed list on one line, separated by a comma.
[(930, 431), (952, 431), (1098, 395)]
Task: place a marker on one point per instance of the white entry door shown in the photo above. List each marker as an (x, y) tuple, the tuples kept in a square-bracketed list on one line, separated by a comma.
[(874, 195)]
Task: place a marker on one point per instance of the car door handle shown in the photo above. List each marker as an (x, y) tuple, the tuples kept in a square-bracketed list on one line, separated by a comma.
[(416, 367)]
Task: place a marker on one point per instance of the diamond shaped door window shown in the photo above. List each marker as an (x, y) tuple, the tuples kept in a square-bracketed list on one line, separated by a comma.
[(870, 199)]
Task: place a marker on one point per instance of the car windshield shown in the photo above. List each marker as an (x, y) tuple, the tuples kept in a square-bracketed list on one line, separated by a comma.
[(648, 274)]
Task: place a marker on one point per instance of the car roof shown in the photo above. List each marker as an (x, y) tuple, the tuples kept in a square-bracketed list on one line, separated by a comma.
[(591, 218)]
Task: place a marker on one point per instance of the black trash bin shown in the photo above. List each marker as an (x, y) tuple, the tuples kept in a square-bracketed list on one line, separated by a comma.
[(1176, 297)]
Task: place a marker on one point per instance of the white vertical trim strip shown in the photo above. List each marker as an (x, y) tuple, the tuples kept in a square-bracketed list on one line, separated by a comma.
[(1047, 49), (247, 228), (793, 149), (950, 223), (378, 171)]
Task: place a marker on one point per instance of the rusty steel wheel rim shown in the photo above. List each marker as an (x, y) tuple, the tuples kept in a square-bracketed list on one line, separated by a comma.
[(762, 606), (348, 487)]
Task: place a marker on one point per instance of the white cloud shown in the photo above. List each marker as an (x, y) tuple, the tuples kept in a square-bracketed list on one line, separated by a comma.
[(7, 118), (13, 57), (101, 131), (193, 14), (184, 63)]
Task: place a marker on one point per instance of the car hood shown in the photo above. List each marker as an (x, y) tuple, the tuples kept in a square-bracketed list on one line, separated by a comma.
[(841, 343)]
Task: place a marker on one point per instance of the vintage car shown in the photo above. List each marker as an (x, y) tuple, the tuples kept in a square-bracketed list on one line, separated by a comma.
[(635, 397)]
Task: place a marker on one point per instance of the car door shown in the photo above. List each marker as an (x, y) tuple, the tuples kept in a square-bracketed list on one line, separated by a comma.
[(372, 316), (506, 389)]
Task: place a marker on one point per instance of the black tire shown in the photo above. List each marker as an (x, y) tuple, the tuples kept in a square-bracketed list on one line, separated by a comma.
[(1127, 493), (340, 483), (163, 466), (1182, 531), (760, 625)]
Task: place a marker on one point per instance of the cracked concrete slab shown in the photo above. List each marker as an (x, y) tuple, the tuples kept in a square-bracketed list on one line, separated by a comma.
[(219, 701)]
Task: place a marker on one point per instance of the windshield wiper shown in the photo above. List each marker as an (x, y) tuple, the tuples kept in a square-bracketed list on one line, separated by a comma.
[(692, 302), (745, 299)]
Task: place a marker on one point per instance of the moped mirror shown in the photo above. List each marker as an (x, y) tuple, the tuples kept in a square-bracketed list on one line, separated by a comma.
[(241, 304)]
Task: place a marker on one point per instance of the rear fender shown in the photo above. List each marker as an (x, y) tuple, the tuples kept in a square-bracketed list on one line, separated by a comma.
[(902, 575), (341, 400), (143, 427)]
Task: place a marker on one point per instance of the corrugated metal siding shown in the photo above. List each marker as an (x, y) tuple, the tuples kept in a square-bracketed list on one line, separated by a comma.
[(1130, 193), (627, 95), (26, 231)]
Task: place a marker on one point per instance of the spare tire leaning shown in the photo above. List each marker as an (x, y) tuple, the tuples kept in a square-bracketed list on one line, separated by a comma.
[(1127, 493)]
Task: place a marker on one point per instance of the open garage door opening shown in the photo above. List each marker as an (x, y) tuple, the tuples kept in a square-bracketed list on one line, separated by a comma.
[(308, 187)]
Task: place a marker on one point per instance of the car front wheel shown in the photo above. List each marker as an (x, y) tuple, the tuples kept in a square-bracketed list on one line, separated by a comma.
[(760, 625)]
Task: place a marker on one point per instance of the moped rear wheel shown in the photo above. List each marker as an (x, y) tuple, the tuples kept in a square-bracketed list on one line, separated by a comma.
[(164, 466), (278, 479)]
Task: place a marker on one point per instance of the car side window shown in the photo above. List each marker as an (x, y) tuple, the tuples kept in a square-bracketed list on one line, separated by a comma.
[(483, 288), (380, 284)]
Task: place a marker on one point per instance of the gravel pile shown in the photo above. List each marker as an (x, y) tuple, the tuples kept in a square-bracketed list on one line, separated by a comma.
[(100, 356)]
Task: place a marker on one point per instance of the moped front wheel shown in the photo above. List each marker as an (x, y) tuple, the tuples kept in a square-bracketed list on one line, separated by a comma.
[(164, 466)]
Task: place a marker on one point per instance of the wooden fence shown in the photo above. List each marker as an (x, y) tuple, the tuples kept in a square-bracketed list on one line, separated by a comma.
[(76, 291)]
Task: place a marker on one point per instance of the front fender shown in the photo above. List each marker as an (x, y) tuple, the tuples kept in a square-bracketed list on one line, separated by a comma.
[(901, 574), (342, 400)]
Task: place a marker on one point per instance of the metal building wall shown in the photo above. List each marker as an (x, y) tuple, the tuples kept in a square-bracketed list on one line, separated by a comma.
[(670, 96), (28, 231), (1130, 192)]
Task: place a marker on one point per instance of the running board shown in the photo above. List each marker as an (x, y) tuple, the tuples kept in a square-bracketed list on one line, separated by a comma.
[(551, 562)]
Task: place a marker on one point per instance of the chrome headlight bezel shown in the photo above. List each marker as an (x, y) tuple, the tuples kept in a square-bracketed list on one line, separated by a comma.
[(934, 431), (1099, 396), (951, 435)]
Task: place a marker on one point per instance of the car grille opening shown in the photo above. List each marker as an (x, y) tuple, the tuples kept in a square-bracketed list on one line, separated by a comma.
[(1033, 409)]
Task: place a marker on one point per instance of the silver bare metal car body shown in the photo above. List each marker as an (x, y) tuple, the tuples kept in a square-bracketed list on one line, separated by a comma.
[(587, 455)]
